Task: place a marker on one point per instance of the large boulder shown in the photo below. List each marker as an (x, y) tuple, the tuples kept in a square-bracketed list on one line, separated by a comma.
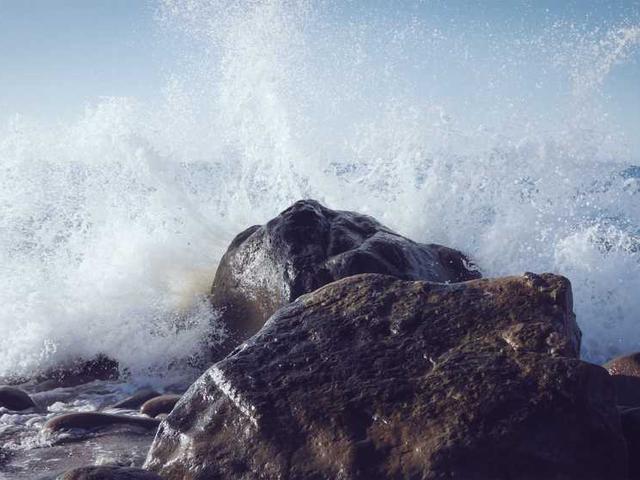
[(376, 377), (308, 246)]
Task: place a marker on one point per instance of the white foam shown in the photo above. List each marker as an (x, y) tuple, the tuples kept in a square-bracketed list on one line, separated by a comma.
[(111, 225)]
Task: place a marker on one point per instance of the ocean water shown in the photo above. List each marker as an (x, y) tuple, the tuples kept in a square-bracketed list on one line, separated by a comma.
[(503, 146)]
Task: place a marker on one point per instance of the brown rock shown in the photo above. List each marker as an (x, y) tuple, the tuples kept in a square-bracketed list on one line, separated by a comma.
[(93, 420), (108, 473), (159, 405), (308, 246), (628, 365), (374, 377), (626, 378), (15, 399)]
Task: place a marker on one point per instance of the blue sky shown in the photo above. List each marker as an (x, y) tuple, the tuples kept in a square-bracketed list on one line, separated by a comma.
[(58, 55)]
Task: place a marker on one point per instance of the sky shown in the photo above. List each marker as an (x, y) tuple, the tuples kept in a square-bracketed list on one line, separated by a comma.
[(56, 56)]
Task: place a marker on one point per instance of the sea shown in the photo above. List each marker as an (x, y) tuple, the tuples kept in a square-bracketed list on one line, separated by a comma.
[(494, 137)]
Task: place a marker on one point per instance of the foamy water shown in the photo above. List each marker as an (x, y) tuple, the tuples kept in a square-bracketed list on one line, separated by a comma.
[(111, 225)]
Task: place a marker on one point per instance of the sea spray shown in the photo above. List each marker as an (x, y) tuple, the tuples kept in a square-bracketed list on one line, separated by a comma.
[(501, 146)]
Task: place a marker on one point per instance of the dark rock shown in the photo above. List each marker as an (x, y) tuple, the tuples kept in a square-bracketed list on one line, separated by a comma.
[(124, 446), (159, 405), (630, 418), (308, 246), (108, 473), (77, 373), (136, 400), (15, 399), (375, 377), (627, 390), (94, 420), (626, 378), (68, 374)]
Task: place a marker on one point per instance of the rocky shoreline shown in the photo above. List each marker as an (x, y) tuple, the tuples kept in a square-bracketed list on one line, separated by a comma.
[(356, 353)]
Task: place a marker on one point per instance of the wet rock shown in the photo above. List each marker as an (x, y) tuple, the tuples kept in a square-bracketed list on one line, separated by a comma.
[(308, 246), (125, 446), (136, 400), (375, 377), (627, 390), (627, 365), (15, 399), (77, 373), (69, 374), (108, 473), (626, 378), (159, 405), (94, 420), (630, 418)]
